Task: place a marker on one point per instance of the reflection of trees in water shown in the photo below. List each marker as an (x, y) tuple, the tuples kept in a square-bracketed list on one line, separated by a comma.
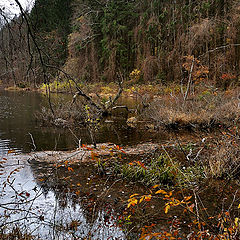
[(4, 147), (73, 190)]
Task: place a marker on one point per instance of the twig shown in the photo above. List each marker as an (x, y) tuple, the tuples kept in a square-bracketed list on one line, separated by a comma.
[(218, 48), (189, 80), (33, 142)]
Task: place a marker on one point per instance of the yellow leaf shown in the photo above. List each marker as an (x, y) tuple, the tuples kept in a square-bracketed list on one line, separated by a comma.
[(187, 198), (239, 206), (132, 202), (167, 207), (142, 198), (136, 194), (155, 186), (236, 221), (161, 191), (148, 198), (11, 151)]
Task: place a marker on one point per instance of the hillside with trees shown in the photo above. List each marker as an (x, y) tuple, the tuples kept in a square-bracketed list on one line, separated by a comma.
[(94, 40)]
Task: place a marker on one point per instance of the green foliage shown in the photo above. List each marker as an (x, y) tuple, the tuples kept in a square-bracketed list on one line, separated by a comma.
[(122, 35), (161, 170), (113, 26), (49, 15), (116, 25), (21, 85), (127, 31), (50, 22), (59, 86), (158, 171)]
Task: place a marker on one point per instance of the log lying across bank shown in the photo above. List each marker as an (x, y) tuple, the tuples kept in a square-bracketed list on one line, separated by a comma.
[(89, 153)]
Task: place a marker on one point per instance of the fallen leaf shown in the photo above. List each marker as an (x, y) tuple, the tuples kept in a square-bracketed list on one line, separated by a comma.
[(167, 208), (11, 151), (161, 191)]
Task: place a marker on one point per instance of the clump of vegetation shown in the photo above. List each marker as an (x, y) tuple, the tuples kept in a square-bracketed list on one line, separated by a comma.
[(59, 86), (15, 234), (206, 109), (223, 161), (162, 170), (65, 115)]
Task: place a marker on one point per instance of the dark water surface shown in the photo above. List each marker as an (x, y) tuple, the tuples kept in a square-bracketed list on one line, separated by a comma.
[(45, 201), (18, 123)]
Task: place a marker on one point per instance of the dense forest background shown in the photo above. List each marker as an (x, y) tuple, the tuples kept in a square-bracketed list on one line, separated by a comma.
[(166, 40)]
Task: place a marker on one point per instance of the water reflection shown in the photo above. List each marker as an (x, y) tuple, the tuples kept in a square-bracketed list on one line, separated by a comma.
[(50, 202), (50, 208), (45, 207), (17, 120), (4, 146)]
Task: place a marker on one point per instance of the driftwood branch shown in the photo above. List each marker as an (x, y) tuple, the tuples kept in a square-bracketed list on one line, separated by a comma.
[(219, 48), (103, 109), (117, 96), (89, 99)]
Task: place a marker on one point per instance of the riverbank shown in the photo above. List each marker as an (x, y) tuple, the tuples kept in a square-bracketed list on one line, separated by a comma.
[(175, 163), (171, 107), (189, 145), (202, 155)]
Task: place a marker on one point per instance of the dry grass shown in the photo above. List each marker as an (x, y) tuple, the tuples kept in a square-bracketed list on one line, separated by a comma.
[(66, 114), (199, 33), (15, 234), (224, 158), (151, 66), (205, 109)]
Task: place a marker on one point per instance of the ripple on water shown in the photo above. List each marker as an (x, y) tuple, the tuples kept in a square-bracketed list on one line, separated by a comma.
[(6, 108), (4, 146)]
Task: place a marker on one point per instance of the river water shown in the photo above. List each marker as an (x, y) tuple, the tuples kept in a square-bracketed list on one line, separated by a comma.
[(47, 208), (18, 124)]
